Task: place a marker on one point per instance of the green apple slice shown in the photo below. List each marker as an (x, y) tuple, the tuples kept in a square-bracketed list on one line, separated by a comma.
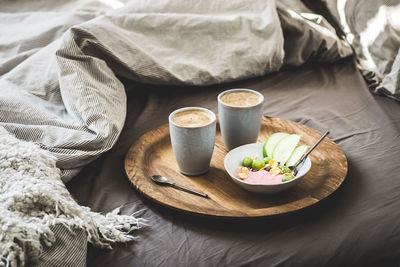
[(296, 155), (284, 149), (271, 142)]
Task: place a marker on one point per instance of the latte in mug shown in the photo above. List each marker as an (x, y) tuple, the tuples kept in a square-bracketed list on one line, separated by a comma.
[(192, 132), (240, 112), (240, 99), (192, 118)]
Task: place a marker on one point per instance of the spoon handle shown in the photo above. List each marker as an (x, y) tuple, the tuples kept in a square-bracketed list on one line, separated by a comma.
[(189, 190), (308, 153)]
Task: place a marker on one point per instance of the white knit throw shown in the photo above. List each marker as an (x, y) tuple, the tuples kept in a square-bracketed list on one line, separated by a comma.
[(33, 198)]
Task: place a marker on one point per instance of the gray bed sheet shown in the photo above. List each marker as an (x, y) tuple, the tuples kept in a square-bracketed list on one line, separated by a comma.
[(359, 225)]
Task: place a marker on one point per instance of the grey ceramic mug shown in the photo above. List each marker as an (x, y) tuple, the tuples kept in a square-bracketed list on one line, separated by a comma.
[(239, 124), (193, 146)]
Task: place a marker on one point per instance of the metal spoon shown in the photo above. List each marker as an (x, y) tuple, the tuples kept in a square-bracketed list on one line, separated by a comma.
[(303, 158), (164, 181)]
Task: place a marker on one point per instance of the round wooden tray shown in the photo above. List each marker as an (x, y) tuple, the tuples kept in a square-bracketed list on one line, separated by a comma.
[(152, 154)]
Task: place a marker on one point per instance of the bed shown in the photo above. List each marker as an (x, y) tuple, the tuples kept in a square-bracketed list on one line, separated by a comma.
[(324, 89), (345, 229)]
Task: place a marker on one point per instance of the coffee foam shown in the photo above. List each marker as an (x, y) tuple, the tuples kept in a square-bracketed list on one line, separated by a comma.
[(240, 99), (192, 118)]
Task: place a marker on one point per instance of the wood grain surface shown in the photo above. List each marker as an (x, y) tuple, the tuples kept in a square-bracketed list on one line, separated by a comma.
[(152, 154)]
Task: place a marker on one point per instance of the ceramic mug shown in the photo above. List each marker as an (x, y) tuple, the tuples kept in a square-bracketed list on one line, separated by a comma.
[(193, 145), (240, 124)]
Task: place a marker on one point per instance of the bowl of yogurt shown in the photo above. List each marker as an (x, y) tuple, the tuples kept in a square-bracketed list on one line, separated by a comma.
[(265, 180)]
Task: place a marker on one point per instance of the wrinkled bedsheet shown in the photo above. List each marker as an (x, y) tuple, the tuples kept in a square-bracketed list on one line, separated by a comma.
[(359, 225)]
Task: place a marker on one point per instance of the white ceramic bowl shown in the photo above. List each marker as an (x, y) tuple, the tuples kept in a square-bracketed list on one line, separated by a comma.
[(234, 159)]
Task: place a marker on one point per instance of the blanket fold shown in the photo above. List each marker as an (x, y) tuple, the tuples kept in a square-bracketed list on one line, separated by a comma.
[(373, 30)]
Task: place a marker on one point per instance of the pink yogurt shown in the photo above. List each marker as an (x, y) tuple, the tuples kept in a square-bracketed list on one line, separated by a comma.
[(260, 177)]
